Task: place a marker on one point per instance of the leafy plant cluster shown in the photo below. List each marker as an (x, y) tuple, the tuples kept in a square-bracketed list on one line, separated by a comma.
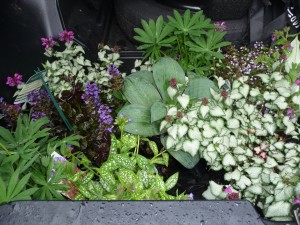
[(191, 38), (149, 94), (249, 132), (26, 162), (69, 70), (126, 175)]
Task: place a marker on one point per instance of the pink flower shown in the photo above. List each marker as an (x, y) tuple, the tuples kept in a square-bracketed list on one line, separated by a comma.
[(297, 82), (228, 190), (231, 195), (15, 80), (263, 155), (66, 36), (263, 146), (297, 201), (257, 149), (48, 42), (222, 26)]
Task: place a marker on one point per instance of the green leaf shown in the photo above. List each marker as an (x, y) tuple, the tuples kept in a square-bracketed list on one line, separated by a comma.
[(21, 184), (12, 183), (136, 113), (3, 195), (171, 182), (145, 75), (163, 71), (139, 91), (200, 88), (158, 111), (25, 195), (153, 147), (143, 129), (185, 158), (165, 157)]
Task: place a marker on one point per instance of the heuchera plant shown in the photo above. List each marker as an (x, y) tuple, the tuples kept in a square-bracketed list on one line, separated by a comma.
[(250, 132)]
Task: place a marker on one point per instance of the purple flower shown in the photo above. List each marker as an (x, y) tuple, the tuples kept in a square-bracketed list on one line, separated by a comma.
[(33, 97), (297, 82), (290, 113), (273, 38), (191, 196), (297, 201), (15, 80), (222, 26), (35, 115), (70, 147), (91, 93), (104, 115), (60, 159), (48, 42), (66, 36), (113, 71)]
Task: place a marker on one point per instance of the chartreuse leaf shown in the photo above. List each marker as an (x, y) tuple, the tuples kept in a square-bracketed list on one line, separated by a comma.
[(171, 181), (163, 71), (139, 91)]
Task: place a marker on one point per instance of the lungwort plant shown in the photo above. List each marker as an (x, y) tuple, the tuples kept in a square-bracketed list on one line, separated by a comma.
[(126, 175), (191, 38)]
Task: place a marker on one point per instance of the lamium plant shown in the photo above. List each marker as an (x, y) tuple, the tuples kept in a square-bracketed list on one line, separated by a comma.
[(248, 131)]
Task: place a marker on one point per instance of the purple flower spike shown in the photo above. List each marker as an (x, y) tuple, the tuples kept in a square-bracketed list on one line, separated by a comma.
[(48, 42), (113, 71), (66, 36)]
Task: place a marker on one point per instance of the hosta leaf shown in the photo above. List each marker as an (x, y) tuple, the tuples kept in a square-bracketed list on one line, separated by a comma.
[(158, 111), (145, 75), (200, 88), (185, 158), (143, 129), (163, 74), (136, 113), (139, 91)]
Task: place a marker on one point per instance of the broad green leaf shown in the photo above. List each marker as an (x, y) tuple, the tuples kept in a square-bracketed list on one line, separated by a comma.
[(158, 111), (163, 71), (185, 158), (144, 74), (139, 91), (143, 129), (136, 113), (294, 56)]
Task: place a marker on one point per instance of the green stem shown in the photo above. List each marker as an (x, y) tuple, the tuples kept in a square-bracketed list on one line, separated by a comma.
[(5, 149)]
